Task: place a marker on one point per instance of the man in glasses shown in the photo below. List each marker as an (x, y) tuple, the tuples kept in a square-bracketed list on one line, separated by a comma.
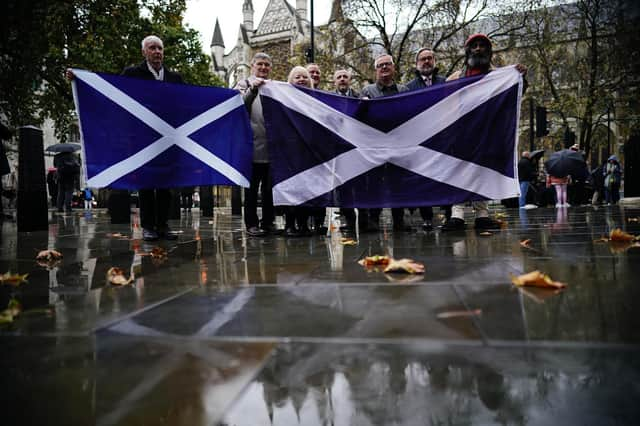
[(385, 85), (426, 76)]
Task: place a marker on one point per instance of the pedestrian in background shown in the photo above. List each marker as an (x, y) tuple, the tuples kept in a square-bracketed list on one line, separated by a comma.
[(526, 174), (5, 169), (87, 196), (67, 166), (560, 185), (613, 176)]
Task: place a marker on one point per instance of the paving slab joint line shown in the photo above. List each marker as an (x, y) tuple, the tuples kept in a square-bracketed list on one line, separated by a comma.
[(474, 318), (141, 310)]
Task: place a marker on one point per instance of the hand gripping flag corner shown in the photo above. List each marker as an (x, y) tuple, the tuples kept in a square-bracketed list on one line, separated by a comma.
[(448, 144), (145, 134)]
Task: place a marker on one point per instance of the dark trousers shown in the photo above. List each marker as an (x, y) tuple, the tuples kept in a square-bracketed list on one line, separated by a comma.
[(612, 193), (186, 200), (426, 213), (154, 208), (297, 218), (65, 196), (260, 179), (397, 213)]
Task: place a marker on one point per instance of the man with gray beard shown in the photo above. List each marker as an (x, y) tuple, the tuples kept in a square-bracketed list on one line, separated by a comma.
[(478, 52)]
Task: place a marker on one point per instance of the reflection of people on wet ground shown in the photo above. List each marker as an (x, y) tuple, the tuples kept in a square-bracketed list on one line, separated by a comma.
[(562, 220)]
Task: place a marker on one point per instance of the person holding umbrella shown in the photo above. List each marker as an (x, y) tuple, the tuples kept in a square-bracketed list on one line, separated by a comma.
[(613, 176), (560, 167), (67, 165), (560, 184)]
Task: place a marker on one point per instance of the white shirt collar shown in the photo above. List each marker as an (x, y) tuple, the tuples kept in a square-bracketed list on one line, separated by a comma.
[(158, 75)]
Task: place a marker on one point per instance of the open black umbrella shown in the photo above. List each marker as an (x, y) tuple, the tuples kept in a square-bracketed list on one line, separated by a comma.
[(565, 162), (535, 155), (64, 147)]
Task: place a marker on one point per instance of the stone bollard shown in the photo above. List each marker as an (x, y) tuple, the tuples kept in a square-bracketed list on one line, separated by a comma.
[(32, 206)]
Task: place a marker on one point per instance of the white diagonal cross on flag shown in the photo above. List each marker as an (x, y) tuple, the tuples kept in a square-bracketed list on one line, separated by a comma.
[(170, 136), (373, 147)]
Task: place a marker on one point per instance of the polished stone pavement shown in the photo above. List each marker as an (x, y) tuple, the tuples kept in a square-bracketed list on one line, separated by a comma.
[(233, 330)]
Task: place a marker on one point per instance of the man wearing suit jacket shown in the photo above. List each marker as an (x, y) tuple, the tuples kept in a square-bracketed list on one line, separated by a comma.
[(427, 76), (154, 203), (426, 71)]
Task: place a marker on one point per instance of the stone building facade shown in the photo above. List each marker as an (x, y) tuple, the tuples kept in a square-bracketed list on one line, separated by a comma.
[(280, 29)]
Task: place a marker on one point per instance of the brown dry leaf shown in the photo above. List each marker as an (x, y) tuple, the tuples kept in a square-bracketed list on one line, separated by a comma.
[(13, 279), (158, 253), (375, 260), (49, 255), (485, 234), (455, 314), (536, 279), (116, 276), (348, 241), (619, 235), (407, 266)]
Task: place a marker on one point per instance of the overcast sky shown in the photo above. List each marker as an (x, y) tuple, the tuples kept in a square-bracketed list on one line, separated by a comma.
[(201, 15)]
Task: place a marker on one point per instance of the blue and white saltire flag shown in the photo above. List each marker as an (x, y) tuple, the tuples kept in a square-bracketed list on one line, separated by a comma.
[(447, 144), (138, 133)]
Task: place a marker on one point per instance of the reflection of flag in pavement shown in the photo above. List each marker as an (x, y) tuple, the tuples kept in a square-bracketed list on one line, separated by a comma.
[(448, 144), (144, 134)]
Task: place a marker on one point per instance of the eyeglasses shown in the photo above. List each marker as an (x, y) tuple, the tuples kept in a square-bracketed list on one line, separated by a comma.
[(384, 64)]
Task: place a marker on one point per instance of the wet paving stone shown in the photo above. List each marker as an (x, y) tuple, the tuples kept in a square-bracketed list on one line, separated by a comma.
[(109, 379), (227, 329)]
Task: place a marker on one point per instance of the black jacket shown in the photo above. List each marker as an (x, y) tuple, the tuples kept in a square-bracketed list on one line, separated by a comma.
[(142, 71), (418, 82), (526, 171)]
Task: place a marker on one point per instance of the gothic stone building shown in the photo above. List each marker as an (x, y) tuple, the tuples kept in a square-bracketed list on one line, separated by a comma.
[(281, 28)]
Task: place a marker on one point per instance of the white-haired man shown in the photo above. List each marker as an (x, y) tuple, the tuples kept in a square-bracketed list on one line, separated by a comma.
[(154, 203)]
